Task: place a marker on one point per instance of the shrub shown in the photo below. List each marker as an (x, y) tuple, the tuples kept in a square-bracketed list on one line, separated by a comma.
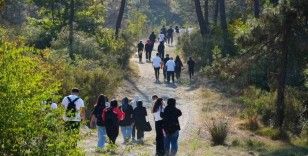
[(27, 126), (219, 132)]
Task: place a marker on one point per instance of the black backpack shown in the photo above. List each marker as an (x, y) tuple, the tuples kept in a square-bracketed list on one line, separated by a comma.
[(71, 108), (111, 119)]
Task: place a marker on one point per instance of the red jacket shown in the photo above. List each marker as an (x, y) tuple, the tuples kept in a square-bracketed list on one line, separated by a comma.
[(120, 114)]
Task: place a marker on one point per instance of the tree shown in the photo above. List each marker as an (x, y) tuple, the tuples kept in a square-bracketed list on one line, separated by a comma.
[(71, 29), (200, 16), (216, 11), (257, 8), (120, 17), (224, 27), (206, 15)]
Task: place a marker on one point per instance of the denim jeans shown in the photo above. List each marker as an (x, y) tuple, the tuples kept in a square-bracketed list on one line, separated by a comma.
[(171, 140), (126, 132), (101, 131)]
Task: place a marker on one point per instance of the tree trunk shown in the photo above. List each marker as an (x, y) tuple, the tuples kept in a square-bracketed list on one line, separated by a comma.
[(216, 11), (71, 28), (282, 75), (200, 17), (257, 8), (120, 17), (206, 16), (224, 26)]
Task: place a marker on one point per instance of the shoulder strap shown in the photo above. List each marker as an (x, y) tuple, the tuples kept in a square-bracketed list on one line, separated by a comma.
[(75, 100), (69, 99)]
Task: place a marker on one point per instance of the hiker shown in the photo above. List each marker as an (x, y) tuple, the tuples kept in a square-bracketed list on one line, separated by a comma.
[(96, 115), (191, 67), (152, 37), (170, 65), (170, 35), (140, 114), (157, 110), (171, 126), (161, 38), (140, 50), (148, 50), (112, 116), (75, 112), (178, 67), (177, 30), (161, 50), (164, 30), (134, 104), (127, 122), (154, 98), (157, 63), (165, 60)]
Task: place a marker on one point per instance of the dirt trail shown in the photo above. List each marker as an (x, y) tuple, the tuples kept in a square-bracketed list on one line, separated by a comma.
[(144, 86)]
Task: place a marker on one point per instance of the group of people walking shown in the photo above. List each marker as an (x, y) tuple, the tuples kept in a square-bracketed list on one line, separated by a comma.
[(130, 117)]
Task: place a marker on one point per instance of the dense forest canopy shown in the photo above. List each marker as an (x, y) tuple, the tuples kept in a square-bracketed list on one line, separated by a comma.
[(256, 49)]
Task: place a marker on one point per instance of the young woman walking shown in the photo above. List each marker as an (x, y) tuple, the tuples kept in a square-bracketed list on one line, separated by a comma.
[(157, 109), (127, 123)]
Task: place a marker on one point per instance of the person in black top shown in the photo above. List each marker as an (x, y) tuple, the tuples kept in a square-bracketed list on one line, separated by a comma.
[(161, 50), (152, 37), (148, 50), (127, 122), (164, 30), (157, 109), (171, 126), (191, 67), (178, 67), (170, 35), (97, 115), (177, 30), (140, 50), (166, 59), (139, 115)]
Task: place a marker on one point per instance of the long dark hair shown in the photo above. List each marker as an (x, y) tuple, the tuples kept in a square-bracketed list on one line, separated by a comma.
[(158, 103), (100, 103), (178, 58)]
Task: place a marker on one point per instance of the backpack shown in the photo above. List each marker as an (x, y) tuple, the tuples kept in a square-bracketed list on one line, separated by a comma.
[(111, 119), (71, 108)]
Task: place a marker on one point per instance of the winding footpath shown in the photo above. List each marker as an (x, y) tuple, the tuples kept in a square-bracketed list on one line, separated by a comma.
[(144, 86)]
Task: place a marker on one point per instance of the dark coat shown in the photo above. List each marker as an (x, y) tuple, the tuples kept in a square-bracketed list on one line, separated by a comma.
[(148, 47), (191, 65), (178, 66), (170, 117), (140, 46), (152, 38), (128, 120), (161, 48), (98, 112), (140, 114)]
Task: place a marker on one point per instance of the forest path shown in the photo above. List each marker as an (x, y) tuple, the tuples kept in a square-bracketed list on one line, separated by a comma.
[(144, 86)]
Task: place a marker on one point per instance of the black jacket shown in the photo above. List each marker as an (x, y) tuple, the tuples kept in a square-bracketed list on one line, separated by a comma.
[(191, 64), (98, 112), (152, 38), (148, 47), (140, 114), (170, 117), (128, 120), (178, 66), (161, 48), (140, 46)]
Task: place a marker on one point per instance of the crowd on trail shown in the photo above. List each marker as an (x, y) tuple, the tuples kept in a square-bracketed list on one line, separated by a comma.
[(130, 117), (171, 67)]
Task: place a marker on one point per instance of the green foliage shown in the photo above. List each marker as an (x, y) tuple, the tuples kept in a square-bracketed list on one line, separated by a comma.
[(136, 26), (28, 127), (219, 132), (269, 132)]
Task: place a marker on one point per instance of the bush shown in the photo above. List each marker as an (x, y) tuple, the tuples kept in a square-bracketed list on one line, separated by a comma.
[(28, 127), (219, 132)]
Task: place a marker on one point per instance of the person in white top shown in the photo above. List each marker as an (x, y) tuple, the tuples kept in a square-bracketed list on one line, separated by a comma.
[(157, 109), (170, 69), (157, 65), (74, 108)]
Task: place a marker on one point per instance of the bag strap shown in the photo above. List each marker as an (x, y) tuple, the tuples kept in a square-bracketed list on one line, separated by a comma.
[(75, 100), (69, 99)]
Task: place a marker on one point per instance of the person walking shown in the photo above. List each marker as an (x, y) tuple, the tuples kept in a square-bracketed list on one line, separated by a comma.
[(152, 37), (170, 70), (161, 50), (171, 127), (140, 50), (140, 114), (127, 123), (164, 30), (157, 63), (112, 116), (148, 50), (191, 67), (75, 112), (178, 67), (157, 110), (165, 60), (96, 115), (170, 32), (162, 37), (177, 30)]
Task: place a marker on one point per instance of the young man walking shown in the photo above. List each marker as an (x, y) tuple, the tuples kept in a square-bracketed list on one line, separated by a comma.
[(191, 67), (140, 50), (165, 60), (170, 70), (157, 65)]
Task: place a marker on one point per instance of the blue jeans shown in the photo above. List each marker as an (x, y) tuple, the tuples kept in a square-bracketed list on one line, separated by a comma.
[(126, 132), (101, 133), (171, 140)]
